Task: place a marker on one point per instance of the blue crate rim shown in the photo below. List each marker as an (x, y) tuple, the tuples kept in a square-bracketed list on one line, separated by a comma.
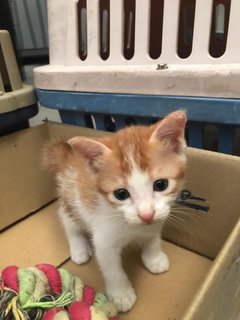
[(201, 109)]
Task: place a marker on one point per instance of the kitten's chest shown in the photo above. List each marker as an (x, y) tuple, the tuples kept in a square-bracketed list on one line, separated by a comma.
[(121, 233), (111, 225)]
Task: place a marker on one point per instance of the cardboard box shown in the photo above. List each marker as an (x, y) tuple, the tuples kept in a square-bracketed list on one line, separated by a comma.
[(203, 282)]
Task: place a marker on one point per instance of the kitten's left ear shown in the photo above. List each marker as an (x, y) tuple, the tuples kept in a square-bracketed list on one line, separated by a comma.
[(170, 131), (91, 150)]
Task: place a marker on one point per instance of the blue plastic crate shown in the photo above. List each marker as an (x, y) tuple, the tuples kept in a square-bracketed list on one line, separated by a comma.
[(212, 124)]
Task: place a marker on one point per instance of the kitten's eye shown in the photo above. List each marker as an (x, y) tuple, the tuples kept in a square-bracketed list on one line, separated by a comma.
[(160, 185), (121, 194)]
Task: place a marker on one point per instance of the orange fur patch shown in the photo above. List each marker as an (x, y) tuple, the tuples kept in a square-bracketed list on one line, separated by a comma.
[(130, 147), (55, 155)]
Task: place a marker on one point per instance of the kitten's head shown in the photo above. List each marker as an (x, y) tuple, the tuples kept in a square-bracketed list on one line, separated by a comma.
[(139, 170)]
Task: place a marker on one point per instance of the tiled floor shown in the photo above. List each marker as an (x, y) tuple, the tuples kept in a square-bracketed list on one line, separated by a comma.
[(43, 115)]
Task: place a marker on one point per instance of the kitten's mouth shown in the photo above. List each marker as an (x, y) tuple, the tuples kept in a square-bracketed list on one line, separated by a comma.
[(147, 223), (153, 221)]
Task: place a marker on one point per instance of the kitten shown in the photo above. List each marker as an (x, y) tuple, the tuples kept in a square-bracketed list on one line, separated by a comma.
[(120, 189)]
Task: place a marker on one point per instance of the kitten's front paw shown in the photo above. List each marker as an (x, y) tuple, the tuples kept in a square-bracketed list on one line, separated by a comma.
[(124, 298), (81, 254), (158, 263)]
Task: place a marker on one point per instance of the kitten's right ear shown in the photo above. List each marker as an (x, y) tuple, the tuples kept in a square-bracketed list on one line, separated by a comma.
[(91, 150), (170, 131)]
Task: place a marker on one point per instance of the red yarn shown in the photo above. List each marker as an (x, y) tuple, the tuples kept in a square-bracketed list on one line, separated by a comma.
[(88, 295), (80, 310), (10, 277), (53, 277), (51, 313)]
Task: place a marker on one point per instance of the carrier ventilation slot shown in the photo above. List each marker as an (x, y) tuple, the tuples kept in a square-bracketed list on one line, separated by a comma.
[(129, 28), (82, 28), (104, 19), (186, 27), (156, 26), (187, 14), (219, 27)]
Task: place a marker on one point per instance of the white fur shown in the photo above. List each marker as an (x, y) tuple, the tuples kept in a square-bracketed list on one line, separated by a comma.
[(113, 229), (144, 199), (80, 248), (154, 259)]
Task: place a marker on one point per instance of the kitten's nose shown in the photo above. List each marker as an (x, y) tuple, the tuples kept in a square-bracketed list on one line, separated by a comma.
[(146, 217)]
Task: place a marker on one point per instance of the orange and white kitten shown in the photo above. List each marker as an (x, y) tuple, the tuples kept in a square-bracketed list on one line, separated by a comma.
[(120, 189)]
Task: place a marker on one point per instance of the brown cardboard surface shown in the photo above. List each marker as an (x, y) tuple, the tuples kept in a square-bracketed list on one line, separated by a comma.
[(65, 131), (219, 296), (24, 185), (214, 177), (164, 296), (40, 238)]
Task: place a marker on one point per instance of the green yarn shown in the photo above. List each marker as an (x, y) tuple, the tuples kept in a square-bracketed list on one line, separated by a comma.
[(41, 277), (100, 300), (77, 288), (35, 297), (66, 278), (41, 285), (65, 299), (27, 284)]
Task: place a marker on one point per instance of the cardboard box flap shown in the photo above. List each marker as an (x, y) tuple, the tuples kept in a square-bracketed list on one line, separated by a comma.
[(25, 187), (219, 295), (214, 177)]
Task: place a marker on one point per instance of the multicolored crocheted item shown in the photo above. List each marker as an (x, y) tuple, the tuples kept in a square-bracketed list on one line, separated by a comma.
[(47, 293)]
